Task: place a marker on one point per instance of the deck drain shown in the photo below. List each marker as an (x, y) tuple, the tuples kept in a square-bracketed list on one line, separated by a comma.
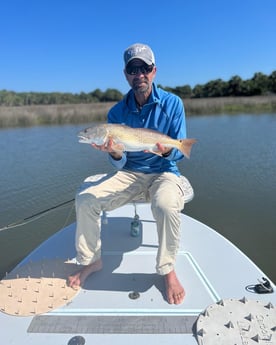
[(134, 295), (77, 340)]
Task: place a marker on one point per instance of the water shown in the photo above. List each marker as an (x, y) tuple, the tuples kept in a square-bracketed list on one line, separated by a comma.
[(232, 169)]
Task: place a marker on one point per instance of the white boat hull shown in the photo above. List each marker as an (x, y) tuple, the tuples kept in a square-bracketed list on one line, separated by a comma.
[(125, 303)]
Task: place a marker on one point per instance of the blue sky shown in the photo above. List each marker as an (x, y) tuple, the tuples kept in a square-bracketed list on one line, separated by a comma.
[(75, 46)]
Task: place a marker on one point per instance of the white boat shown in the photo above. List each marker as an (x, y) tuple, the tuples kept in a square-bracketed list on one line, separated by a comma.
[(125, 304)]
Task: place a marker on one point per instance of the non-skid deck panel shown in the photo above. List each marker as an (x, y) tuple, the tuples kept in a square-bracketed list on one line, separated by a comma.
[(109, 290), (112, 324)]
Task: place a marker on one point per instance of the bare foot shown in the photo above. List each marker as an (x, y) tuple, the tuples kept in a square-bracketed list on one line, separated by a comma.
[(76, 280), (175, 291)]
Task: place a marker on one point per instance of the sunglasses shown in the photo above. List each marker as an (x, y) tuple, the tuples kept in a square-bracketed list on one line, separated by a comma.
[(144, 69)]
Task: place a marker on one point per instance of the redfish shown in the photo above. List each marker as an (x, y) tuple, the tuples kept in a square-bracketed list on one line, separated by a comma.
[(125, 138)]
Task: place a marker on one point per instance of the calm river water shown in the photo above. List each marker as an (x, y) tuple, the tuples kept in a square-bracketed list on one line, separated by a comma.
[(232, 170)]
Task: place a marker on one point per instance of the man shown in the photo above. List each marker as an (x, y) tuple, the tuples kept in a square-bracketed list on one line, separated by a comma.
[(147, 106)]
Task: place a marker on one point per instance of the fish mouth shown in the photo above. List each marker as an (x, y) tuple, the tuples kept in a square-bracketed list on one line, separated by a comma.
[(82, 139)]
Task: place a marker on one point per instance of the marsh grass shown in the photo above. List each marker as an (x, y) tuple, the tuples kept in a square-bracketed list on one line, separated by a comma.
[(36, 115), (231, 105)]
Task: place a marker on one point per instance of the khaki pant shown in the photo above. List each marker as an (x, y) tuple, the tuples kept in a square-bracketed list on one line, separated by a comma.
[(167, 200)]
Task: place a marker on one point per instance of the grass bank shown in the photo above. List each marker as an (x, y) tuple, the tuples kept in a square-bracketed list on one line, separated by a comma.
[(231, 105), (36, 115)]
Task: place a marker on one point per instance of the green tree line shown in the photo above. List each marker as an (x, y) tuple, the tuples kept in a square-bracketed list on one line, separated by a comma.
[(259, 84)]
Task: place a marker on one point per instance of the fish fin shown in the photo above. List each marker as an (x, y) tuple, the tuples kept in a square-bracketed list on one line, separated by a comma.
[(117, 147), (186, 146), (158, 153)]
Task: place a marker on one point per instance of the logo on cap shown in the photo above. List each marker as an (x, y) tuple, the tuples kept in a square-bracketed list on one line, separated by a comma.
[(139, 51)]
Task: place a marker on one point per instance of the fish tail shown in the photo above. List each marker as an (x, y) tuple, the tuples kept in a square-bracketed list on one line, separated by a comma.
[(186, 146)]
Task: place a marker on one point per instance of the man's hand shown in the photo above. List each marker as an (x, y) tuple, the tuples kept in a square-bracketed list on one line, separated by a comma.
[(113, 150), (162, 149)]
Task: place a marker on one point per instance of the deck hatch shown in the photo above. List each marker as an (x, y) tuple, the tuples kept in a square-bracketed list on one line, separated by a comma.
[(106, 324)]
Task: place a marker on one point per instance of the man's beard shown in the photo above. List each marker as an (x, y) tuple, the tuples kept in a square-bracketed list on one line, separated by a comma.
[(137, 87)]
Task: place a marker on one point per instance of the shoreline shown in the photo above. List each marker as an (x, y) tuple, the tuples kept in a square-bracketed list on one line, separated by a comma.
[(38, 115)]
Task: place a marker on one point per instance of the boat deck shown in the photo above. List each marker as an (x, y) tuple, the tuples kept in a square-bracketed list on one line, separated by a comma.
[(125, 301)]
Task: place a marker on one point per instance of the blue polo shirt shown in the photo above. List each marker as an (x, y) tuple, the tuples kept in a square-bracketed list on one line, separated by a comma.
[(165, 113)]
